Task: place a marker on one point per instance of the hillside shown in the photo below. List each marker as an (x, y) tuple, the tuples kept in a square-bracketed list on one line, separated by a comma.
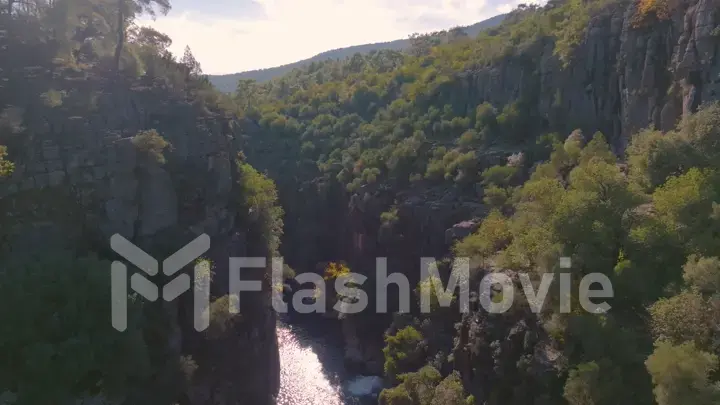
[(565, 162), (584, 129), (227, 83), (93, 149)]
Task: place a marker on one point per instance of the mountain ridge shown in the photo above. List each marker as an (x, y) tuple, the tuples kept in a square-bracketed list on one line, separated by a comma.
[(227, 82)]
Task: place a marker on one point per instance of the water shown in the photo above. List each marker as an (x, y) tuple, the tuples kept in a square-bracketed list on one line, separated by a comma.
[(312, 370)]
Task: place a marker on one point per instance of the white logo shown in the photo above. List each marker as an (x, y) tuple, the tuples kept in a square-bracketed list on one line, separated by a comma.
[(148, 289)]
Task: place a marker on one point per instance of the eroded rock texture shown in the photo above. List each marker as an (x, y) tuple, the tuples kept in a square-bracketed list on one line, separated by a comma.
[(80, 179)]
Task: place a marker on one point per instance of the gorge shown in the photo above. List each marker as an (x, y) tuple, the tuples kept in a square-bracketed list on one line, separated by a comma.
[(585, 129)]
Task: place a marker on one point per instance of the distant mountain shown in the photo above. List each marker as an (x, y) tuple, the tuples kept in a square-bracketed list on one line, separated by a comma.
[(228, 82)]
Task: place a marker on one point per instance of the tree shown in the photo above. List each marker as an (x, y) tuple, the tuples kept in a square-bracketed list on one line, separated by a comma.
[(56, 335), (152, 39), (450, 392), (126, 10), (246, 92), (420, 44), (581, 387), (686, 317), (681, 374), (190, 63), (403, 352), (456, 33), (703, 273)]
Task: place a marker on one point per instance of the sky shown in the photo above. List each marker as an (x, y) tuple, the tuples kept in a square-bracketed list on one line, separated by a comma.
[(229, 36)]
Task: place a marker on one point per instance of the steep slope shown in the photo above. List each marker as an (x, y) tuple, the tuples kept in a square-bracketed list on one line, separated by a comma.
[(489, 141), (147, 154), (227, 83)]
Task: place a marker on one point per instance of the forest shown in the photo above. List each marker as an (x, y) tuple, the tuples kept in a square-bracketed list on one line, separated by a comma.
[(378, 154), (387, 127)]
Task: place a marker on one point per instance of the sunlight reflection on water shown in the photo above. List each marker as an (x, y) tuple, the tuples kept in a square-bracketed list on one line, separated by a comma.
[(310, 369)]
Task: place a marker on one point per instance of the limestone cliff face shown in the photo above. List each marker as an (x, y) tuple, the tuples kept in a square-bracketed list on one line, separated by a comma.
[(80, 179), (621, 78)]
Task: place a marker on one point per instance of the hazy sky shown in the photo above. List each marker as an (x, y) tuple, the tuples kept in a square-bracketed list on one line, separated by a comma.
[(229, 36)]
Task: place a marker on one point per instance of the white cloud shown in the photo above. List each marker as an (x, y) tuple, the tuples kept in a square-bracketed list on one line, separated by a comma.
[(296, 29)]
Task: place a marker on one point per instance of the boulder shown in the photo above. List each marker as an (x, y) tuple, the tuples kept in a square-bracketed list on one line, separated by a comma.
[(460, 230)]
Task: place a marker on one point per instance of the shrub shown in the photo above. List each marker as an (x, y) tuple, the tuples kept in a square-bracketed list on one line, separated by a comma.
[(395, 396), (469, 138), (6, 167), (389, 217), (581, 387), (659, 9), (222, 321), (404, 351), (493, 235), (151, 144), (427, 286), (499, 175), (496, 197), (335, 270)]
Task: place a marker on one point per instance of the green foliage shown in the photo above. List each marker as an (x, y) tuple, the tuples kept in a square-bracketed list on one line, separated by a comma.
[(426, 387), (222, 320), (6, 167), (59, 62), (636, 229), (496, 197), (703, 273), (492, 236), (385, 118), (597, 148), (681, 374), (450, 392), (53, 98), (428, 287), (389, 217), (421, 384), (653, 156), (581, 387), (499, 175), (403, 352), (151, 145), (62, 339), (685, 317), (570, 31), (258, 199), (395, 396), (685, 204)]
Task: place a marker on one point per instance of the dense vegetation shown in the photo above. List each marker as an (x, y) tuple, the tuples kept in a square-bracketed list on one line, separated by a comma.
[(335, 134), (66, 60), (227, 83), (645, 217), (403, 118)]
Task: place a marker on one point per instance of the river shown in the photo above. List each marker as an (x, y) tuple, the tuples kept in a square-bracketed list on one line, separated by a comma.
[(311, 368)]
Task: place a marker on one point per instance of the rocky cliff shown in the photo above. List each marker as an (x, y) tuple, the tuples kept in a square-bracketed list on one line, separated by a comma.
[(80, 176), (627, 72), (632, 66)]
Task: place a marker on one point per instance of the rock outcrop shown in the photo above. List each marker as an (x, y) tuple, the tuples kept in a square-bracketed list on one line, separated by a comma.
[(79, 179), (621, 78)]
